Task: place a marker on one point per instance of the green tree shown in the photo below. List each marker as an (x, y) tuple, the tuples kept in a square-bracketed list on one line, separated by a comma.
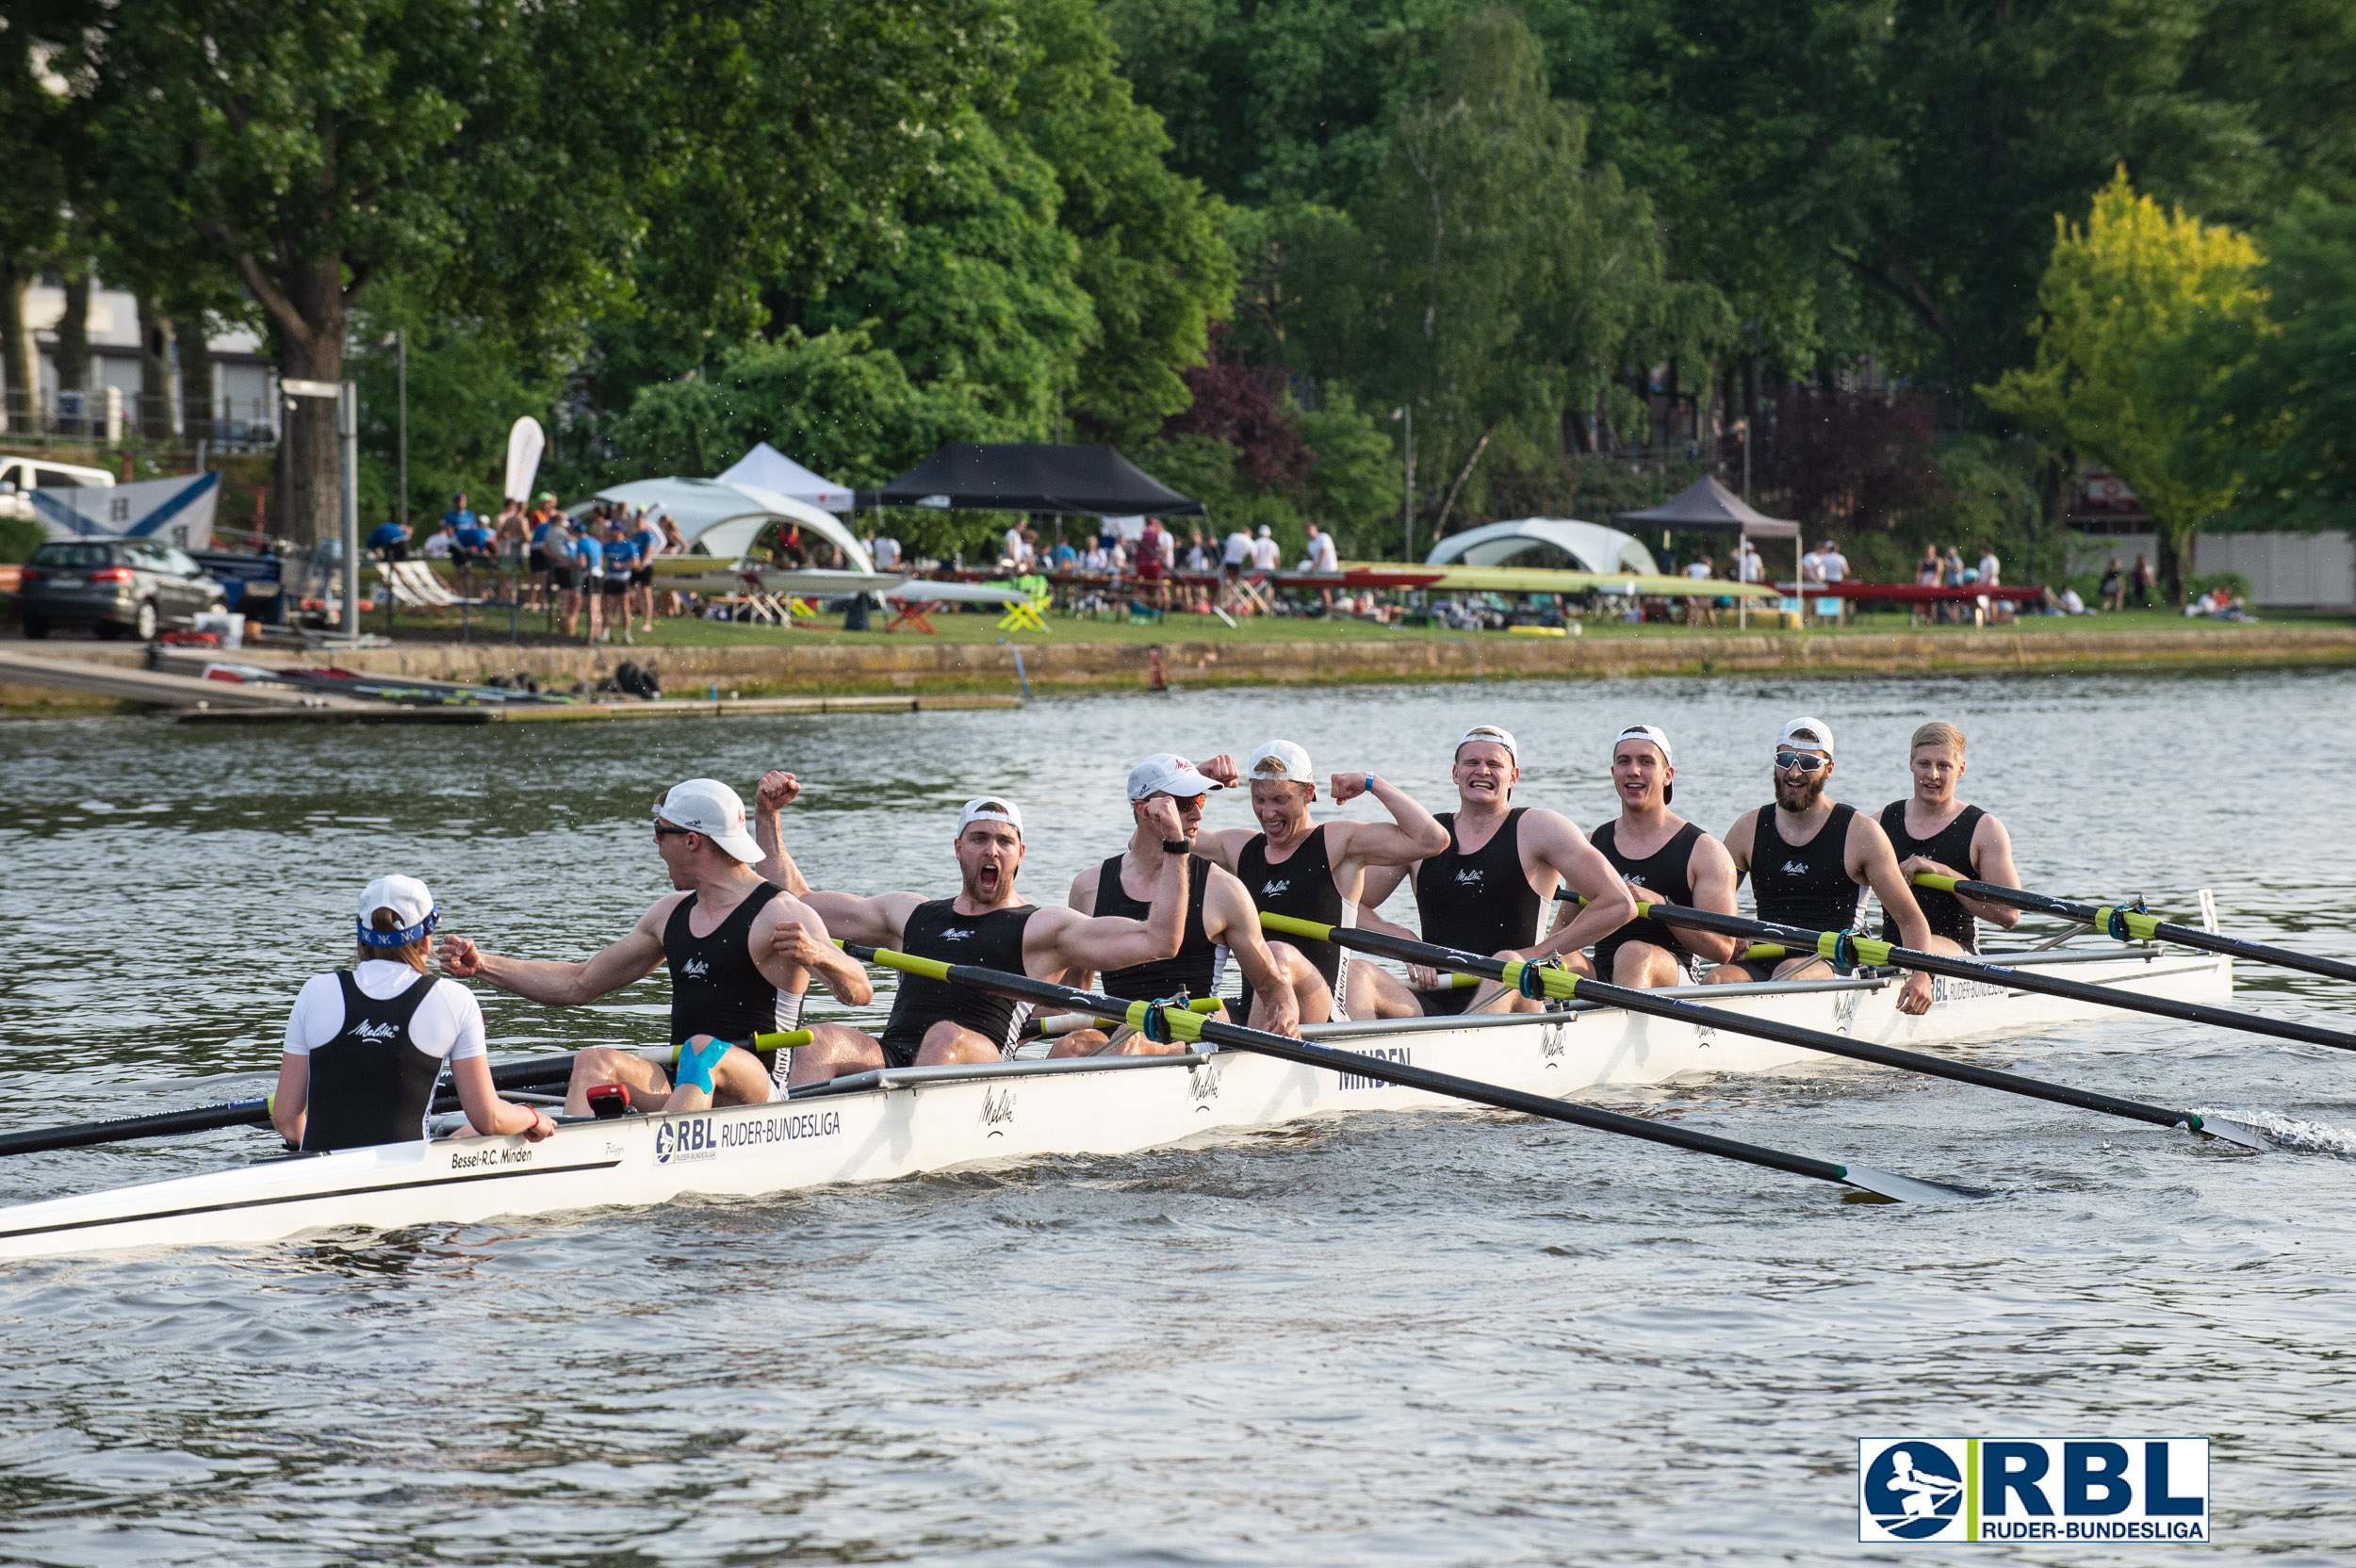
[(2282, 420), (1152, 260), (976, 293), (2122, 299), (38, 130)]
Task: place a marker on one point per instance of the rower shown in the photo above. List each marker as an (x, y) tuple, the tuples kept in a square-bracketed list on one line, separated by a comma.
[(1810, 860), (1314, 871), (740, 950), (936, 1022), (1284, 986), (1934, 832), (1664, 859), (364, 1046), (1483, 891)]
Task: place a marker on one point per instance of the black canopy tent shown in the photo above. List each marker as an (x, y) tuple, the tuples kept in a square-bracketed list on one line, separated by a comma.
[(1706, 506), (974, 477)]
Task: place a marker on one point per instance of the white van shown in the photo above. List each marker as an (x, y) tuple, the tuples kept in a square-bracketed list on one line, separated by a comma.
[(21, 476)]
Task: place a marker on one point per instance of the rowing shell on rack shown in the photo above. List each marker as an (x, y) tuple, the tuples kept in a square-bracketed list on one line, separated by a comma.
[(877, 1126)]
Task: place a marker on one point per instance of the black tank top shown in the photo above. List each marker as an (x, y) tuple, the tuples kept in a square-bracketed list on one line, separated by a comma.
[(371, 1084), (1301, 886), (716, 987), (936, 930), (1201, 962), (1808, 886), (1950, 846), (1661, 877), (1482, 903)]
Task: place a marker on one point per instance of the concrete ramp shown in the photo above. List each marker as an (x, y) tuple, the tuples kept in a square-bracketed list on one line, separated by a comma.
[(157, 688)]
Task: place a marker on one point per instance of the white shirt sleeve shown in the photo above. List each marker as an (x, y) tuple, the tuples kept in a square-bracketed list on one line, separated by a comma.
[(319, 1012)]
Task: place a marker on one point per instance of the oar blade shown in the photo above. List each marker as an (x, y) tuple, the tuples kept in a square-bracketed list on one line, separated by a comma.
[(2226, 1130), (1907, 1189)]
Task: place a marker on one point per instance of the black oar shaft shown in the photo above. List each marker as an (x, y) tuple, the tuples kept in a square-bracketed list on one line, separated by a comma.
[(1657, 1005), (81, 1135), (1871, 951), (1352, 1062), (2135, 925)]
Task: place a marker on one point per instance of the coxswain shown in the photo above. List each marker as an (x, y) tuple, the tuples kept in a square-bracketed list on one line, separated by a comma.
[(1483, 892), (1664, 859), (742, 953), (1284, 987), (938, 1022), (1811, 860), (1934, 832), (364, 1046), (1311, 870)]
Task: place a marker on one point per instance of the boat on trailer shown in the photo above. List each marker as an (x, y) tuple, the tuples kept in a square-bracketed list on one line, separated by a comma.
[(877, 1126)]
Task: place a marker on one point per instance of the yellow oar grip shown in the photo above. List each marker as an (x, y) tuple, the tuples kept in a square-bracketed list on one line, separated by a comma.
[(931, 969), (2142, 928), (1936, 883), (1559, 984), (783, 1040), (1293, 927)]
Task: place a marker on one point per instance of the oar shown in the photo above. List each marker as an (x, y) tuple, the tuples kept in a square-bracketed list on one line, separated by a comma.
[(533, 1073), (1547, 980), (1161, 1021), (2134, 926), (1849, 949)]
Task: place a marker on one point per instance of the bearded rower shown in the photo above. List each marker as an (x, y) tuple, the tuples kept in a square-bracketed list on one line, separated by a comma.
[(1309, 870), (1483, 892), (1934, 832), (1283, 990), (741, 949), (1664, 859), (1810, 860), (938, 1022)]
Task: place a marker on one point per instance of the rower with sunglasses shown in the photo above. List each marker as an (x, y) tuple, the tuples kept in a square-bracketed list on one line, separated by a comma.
[(1811, 860), (742, 953)]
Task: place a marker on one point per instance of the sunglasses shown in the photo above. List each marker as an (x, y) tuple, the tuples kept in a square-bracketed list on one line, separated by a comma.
[(663, 828), (1800, 762)]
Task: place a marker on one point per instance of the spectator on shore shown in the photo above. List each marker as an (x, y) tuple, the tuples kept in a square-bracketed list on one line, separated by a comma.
[(388, 541), (1154, 563), (886, 551), (2114, 590), (577, 580), (473, 545), (1325, 559), (1235, 553), (460, 516), (1266, 554), (2141, 582), (1198, 552), (440, 542), (646, 544), (2070, 603), (1699, 612)]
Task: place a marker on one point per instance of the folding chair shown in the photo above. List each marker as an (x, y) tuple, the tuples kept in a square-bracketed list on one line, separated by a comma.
[(1029, 616), (914, 615)]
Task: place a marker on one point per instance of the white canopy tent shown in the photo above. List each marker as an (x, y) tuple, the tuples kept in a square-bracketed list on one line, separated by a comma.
[(770, 469), (1590, 546), (722, 519)]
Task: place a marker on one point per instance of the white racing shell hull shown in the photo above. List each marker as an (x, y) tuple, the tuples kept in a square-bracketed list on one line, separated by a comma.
[(929, 1119)]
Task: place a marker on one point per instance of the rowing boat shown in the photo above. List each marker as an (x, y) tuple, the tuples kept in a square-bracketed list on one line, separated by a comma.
[(877, 1126)]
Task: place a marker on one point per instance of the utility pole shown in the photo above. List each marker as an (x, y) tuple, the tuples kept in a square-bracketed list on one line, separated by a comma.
[(400, 361), (1405, 412)]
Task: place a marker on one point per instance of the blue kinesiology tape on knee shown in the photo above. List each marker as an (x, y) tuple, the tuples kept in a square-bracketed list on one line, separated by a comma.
[(696, 1062)]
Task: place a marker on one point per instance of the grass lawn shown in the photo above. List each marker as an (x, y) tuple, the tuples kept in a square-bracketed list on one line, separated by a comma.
[(491, 627)]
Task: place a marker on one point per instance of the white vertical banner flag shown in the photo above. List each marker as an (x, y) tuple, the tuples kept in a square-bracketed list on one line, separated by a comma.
[(525, 444)]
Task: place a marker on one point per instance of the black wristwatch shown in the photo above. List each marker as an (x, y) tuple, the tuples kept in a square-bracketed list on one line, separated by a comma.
[(1176, 846)]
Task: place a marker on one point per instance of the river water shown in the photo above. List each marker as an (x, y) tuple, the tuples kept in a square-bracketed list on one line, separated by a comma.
[(1394, 1338)]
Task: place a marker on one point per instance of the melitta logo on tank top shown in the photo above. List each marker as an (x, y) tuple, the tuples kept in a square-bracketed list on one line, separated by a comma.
[(956, 934), (1468, 876), (376, 1033), (693, 968), (1271, 889), (1795, 867)]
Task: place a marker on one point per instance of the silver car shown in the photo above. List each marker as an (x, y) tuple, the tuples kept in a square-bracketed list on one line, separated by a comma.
[(119, 587)]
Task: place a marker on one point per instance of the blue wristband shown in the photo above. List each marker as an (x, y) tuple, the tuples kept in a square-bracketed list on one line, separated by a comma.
[(1369, 783)]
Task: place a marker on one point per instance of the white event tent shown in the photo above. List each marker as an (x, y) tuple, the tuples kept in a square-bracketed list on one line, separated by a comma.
[(721, 518), (1592, 546), (771, 469)]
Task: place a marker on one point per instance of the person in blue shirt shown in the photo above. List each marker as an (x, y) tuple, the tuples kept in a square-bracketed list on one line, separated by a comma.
[(588, 559), (648, 542), (621, 568), (473, 547), (459, 516), (389, 542)]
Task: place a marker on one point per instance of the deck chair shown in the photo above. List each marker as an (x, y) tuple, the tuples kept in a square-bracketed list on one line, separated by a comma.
[(914, 616), (414, 585)]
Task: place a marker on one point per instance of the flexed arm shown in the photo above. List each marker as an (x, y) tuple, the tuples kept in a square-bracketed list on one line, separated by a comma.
[(1058, 940), (799, 945), (778, 790), (1412, 834)]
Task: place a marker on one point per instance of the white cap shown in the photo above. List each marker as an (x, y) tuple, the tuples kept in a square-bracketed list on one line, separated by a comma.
[(1281, 763), (411, 902), (990, 808), (1648, 732), (708, 806), (1263, 533), (1815, 734), (1494, 736), (1165, 773)]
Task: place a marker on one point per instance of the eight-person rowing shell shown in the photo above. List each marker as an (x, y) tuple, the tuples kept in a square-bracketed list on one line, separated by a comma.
[(1311, 870), (741, 949), (1664, 859), (1482, 893), (935, 1022), (1281, 988), (1810, 860)]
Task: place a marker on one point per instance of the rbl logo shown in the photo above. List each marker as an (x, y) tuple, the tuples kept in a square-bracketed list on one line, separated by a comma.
[(2150, 1489)]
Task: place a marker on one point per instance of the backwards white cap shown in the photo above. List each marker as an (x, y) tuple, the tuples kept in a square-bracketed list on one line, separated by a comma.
[(708, 806), (412, 905), (1281, 763), (1494, 736), (990, 808), (1805, 731), (1648, 732), (1167, 773)]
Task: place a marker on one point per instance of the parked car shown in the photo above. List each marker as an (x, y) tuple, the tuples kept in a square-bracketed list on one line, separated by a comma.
[(122, 587), (21, 476)]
